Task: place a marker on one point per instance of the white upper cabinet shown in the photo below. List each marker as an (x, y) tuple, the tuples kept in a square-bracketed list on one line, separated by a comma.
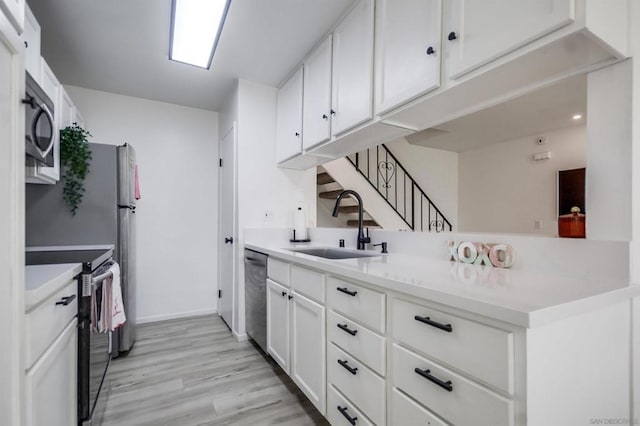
[(408, 34), (289, 126), (477, 32), (14, 9), (66, 112), (31, 39), (353, 68), (316, 120)]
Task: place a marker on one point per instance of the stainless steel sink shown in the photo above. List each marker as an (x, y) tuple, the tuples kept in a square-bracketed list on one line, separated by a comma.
[(330, 253)]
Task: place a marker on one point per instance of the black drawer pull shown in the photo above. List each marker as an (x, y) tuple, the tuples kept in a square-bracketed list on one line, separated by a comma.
[(66, 300), (352, 370), (427, 320), (344, 327), (346, 291), (284, 293), (427, 375), (343, 411)]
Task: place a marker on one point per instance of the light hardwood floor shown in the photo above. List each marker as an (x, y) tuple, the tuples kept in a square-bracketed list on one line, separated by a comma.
[(193, 372)]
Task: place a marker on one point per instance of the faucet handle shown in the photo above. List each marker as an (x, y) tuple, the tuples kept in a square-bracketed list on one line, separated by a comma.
[(384, 247)]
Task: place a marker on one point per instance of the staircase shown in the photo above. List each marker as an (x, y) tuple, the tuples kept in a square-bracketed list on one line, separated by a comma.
[(328, 191), (400, 191)]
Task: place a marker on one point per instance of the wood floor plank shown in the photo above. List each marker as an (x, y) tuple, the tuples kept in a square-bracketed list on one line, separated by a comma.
[(193, 372)]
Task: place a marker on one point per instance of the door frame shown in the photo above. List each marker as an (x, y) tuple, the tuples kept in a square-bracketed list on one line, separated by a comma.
[(12, 192), (221, 244)]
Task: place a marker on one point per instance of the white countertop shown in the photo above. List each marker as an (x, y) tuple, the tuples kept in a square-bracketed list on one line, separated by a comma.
[(520, 297), (41, 281)]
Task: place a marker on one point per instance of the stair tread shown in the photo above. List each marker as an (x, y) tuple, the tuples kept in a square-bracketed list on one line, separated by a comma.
[(370, 222), (330, 194), (324, 178), (349, 209)]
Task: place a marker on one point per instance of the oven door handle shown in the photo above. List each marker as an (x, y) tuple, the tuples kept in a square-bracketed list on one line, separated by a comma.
[(43, 110)]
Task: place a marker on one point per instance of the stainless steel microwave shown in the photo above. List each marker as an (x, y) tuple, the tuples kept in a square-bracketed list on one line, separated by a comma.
[(40, 131)]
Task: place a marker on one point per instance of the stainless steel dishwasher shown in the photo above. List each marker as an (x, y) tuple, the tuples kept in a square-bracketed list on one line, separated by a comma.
[(255, 285)]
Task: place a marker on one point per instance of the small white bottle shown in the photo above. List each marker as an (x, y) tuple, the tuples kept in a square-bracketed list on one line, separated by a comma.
[(299, 225)]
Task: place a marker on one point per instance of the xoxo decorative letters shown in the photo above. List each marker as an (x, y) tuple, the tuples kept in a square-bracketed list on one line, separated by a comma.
[(498, 255)]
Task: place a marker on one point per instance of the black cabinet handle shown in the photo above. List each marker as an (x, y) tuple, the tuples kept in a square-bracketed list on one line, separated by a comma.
[(332, 112), (346, 291), (345, 364), (290, 297), (284, 293), (66, 300), (297, 133), (228, 240), (344, 327), (427, 375), (452, 36), (430, 50), (427, 320), (325, 117), (343, 411)]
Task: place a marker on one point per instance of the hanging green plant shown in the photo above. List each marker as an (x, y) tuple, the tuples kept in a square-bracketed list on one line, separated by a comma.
[(74, 156)]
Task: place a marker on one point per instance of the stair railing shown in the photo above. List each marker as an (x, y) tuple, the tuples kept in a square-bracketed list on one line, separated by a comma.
[(399, 189)]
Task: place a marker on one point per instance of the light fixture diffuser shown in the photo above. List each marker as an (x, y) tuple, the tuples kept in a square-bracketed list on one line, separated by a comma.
[(577, 116), (196, 26)]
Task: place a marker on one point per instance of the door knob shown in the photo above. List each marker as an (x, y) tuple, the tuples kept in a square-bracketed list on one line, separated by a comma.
[(228, 240)]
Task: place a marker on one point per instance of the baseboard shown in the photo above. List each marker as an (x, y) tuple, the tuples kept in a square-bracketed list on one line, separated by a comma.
[(241, 337), (176, 315)]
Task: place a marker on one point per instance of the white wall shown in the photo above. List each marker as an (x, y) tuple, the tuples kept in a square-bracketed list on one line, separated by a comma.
[(435, 170), (608, 196), (177, 217), (502, 190), (262, 186)]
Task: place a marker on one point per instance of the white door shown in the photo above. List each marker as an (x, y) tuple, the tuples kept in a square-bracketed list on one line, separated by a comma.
[(50, 387), (316, 118), (478, 32), (289, 123), (353, 69), (227, 229), (308, 349), (11, 223), (278, 323), (407, 50)]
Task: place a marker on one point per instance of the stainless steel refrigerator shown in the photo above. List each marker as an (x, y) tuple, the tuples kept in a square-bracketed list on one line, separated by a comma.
[(105, 216)]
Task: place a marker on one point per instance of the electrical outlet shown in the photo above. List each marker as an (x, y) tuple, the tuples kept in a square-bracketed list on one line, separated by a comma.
[(537, 225), (268, 216)]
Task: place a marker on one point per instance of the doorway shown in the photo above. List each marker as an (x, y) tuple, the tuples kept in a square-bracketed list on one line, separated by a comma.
[(227, 202)]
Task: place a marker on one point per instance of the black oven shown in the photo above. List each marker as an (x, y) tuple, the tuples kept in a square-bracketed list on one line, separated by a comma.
[(40, 129)]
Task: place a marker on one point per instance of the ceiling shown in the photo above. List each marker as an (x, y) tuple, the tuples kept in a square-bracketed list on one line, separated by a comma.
[(122, 46), (533, 114)]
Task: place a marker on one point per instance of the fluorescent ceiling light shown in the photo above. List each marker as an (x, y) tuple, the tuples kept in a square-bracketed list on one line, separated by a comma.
[(577, 116), (196, 26)]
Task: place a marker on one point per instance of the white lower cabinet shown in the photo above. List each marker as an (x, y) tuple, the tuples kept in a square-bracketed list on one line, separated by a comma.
[(296, 339), (406, 412), (308, 349), (342, 412), (278, 322), (357, 382), (51, 383)]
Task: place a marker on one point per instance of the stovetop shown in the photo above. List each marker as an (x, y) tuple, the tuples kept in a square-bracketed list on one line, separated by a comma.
[(92, 256)]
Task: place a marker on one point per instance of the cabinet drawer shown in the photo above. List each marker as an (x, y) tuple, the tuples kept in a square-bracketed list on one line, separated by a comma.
[(485, 352), (339, 408), (354, 301), (362, 386), (464, 403), (407, 412), (47, 320), (278, 271), (308, 283), (358, 341)]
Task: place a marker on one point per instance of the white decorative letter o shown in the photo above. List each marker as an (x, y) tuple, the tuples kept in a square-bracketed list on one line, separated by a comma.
[(467, 252)]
